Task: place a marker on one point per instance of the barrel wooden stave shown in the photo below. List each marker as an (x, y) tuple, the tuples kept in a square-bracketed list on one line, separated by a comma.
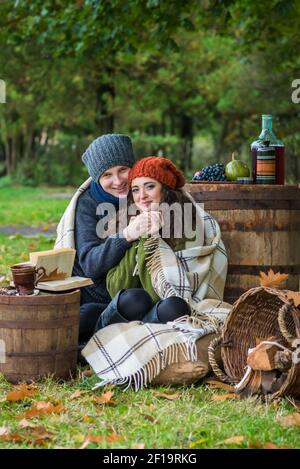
[(260, 229), (40, 338)]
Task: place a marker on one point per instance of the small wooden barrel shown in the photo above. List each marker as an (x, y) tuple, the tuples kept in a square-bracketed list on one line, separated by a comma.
[(39, 335), (260, 227)]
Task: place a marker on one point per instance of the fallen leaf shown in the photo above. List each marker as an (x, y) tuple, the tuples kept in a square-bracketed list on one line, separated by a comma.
[(21, 392), (41, 408), (234, 440), (105, 398), (15, 437), (170, 397), (213, 384), (292, 420), (77, 394), (269, 445), (294, 296), (87, 419), (113, 437), (87, 373), (91, 439), (4, 431), (138, 446), (254, 444), (27, 424), (37, 435), (148, 417), (195, 444), (224, 397), (271, 279)]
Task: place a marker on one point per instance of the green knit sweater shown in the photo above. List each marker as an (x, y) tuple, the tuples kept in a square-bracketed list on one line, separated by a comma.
[(121, 276)]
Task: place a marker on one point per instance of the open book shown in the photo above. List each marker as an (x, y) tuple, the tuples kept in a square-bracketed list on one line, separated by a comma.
[(66, 284), (58, 265)]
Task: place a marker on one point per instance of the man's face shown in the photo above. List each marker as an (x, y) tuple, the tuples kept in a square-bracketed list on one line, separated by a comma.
[(115, 181)]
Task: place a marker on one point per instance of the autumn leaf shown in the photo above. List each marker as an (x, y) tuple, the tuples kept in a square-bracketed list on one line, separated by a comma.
[(105, 398), (224, 397), (270, 445), (234, 440), (37, 435), (214, 384), (91, 439), (4, 431), (113, 437), (195, 444), (148, 417), (27, 424), (271, 279), (292, 420), (169, 397), (294, 296), (77, 394), (41, 408), (21, 392), (138, 446), (87, 373), (9, 436), (88, 419), (254, 444)]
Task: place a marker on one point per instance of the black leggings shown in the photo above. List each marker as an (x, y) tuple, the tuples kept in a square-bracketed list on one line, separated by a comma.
[(135, 303)]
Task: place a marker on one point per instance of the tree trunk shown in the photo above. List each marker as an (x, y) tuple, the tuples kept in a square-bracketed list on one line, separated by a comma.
[(104, 117), (13, 160), (28, 144), (186, 131)]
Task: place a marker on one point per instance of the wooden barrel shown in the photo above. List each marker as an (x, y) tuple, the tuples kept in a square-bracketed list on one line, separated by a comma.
[(39, 335), (260, 227)]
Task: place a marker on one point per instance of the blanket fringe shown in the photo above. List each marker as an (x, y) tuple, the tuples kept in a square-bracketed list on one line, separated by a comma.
[(142, 377)]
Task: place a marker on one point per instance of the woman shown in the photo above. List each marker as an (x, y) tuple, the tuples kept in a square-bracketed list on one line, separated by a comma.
[(165, 276)]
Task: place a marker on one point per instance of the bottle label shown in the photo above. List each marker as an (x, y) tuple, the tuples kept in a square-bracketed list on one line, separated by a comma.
[(265, 169)]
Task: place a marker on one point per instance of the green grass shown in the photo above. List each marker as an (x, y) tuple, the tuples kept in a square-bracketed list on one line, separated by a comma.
[(31, 206), (16, 248), (193, 420)]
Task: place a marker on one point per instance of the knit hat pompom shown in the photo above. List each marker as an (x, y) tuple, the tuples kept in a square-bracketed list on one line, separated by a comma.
[(107, 151), (160, 169)]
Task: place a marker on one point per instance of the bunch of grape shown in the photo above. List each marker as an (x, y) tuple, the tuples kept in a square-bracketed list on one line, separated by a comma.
[(213, 172)]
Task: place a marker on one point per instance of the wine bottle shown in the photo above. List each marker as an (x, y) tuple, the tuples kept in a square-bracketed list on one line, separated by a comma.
[(267, 134)]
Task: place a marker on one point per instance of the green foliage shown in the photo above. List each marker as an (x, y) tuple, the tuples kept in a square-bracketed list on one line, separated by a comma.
[(174, 69)]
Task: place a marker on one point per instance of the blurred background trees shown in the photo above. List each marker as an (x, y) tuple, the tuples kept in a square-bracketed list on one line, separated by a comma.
[(187, 79)]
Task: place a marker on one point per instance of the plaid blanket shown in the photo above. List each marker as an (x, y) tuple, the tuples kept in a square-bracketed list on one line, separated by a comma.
[(197, 273), (134, 353), (66, 227)]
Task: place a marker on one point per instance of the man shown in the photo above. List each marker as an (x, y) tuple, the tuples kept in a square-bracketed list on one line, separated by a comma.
[(108, 160)]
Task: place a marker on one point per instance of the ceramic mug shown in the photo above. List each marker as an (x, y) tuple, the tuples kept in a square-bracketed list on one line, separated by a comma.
[(26, 277)]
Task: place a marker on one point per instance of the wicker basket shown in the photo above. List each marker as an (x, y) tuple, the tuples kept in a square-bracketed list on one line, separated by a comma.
[(259, 313)]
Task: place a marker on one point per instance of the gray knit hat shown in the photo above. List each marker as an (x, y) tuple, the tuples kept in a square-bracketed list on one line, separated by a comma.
[(107, 151)]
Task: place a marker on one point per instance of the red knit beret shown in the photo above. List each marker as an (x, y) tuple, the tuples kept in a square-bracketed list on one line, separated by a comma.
[(160, 169)]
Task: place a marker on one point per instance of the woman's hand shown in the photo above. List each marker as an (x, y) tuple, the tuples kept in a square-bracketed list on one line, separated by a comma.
[(145, 223)]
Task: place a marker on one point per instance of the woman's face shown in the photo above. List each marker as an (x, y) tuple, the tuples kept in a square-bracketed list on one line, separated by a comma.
[(115, 181), (146, 193)]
